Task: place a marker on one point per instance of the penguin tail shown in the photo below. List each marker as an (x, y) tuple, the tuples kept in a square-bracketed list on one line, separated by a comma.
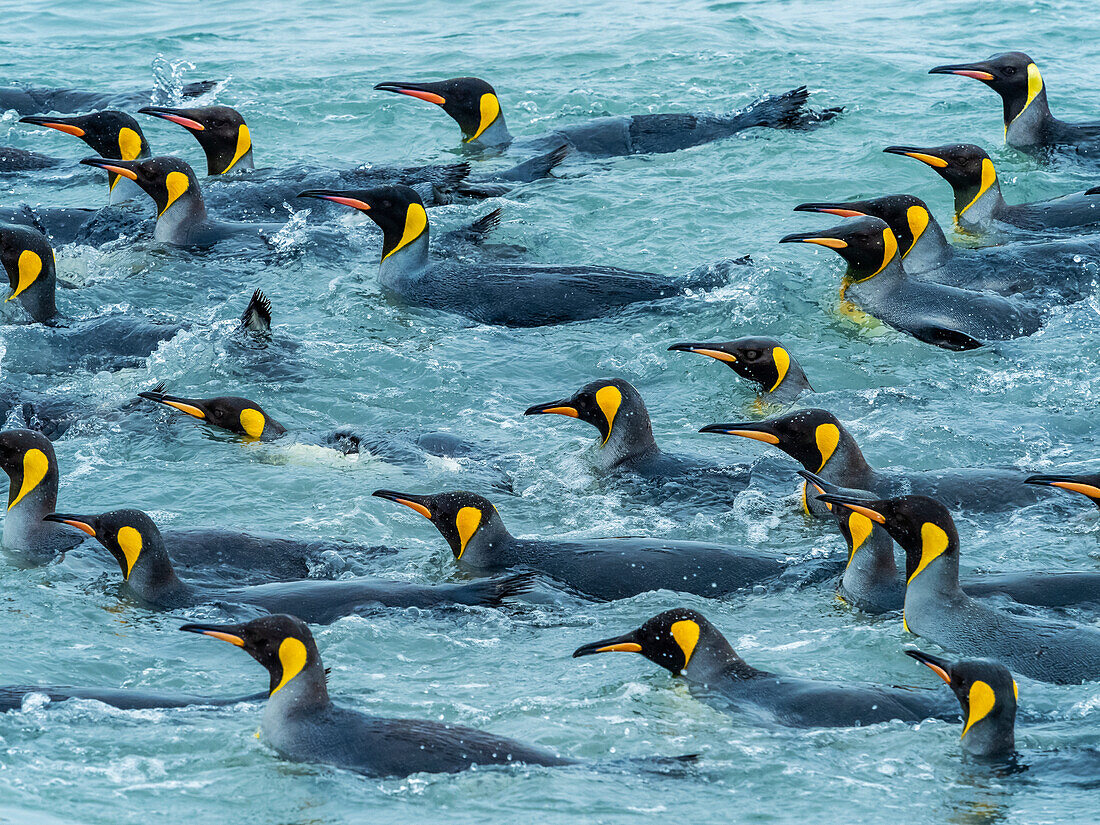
[(257, 315), (534, 169), (786, 111), (493, 592)]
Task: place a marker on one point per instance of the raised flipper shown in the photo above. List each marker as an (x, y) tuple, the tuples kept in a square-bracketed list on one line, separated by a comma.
[(534, 169), (256, 318)]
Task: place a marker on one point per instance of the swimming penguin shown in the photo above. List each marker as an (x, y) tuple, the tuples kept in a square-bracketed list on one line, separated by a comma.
[(938, 609), (821, 444), (211, 554), (107, 342), (1055, 268), (26, 100), (627, 449), (600, 568), (764, 361), (872, 583), (475, 107), (13, 697), (980, 208), (111, 134), (14, 159), (944, 316), (303, 724), (688, 645), (1029, 125), (519, 295), (181, 210), (227, 142), (136, 543)]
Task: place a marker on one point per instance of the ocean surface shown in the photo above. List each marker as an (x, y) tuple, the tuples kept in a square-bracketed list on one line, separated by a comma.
[(302, 75)]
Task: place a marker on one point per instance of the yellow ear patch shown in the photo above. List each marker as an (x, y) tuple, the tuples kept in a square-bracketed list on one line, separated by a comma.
[(292, 657), (686, 634), (1034, 85), (253, 422), (176, 183), (416, 221), (30, 267), (782, 360), (467, 521), (130, 541), (35, 467), (989, 177), (490, 111), (860, 527), (609, 399), (934, 542), (889, 250), (827, 437), (1015, 690), (982, 700), (244, 143), (129, 143), (917, 217)]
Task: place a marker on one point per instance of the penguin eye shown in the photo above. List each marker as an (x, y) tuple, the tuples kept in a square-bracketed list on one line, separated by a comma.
[(752, 354), (1009, 71)]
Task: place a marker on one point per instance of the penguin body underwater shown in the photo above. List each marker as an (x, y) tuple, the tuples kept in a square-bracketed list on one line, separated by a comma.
[(763, 361), (136, 544), (13, 697), (506, 294), (627, 450), (302, 723), (602, 568), (107, 342), (474, 105), (1057, 270), (1029, 124), (980, 208), (818, 441), (685, 643), (31, 100), (937, 608), (207, 554), (944, 316)]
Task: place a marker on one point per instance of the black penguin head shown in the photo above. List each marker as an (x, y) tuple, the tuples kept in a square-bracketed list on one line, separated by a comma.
[(220, 130), (471, 102), (470, 523), (1012, 75), (27, 257), (611, 405), (165, 179), (238, 415), (283, 644), (867, 244), (921, 526), (762, 360), (966, 167), (29, 460), (906, 215), (398, 211), (1087, 484), (130, 536), (810, 437), (110, 133), (670, 639), (988, 695)]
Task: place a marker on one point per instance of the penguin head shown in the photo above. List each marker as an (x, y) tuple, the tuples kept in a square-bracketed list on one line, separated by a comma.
[(398, 211), (282, 644), (988, 695), (855, 527), (1087, 484), (1012, 75), (111, 134), (165, 179), (130, 536), (810, 437), (921, 526), (28, 459), (906, 215), (966, 167), (611, 405), (671, 639), (470, 101), (762, 360), (470, 523), (29, 262), (238, 415), (220, 131), (867, 244)]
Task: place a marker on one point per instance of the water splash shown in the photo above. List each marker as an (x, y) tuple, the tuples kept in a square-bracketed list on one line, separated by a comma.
[(168, 80)]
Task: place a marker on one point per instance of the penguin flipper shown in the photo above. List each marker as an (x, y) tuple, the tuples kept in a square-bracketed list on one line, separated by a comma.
[(493, 592), (946, 338), (257, 315), (534, 169), (786, 111)]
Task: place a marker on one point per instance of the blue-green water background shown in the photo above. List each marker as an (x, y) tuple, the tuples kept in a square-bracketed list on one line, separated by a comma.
[(302, 75)]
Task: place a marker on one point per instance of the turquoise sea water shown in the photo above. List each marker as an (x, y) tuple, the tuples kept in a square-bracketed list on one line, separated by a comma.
[(302, 75)]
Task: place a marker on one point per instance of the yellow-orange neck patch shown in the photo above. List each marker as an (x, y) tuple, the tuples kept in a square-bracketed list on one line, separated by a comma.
[(934, 543), (416, 221), (35, 467), (489, 107), (467, 521), (686, 634), (29, 267), (176, 183), (130, 541), (292, 658), (609, 399)]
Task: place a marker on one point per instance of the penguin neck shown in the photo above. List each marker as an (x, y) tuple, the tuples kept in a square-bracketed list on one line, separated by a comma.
[(495, 136), (871, 564), (125, 190), (488, 548), (862, 285), (179, 220), (993, 737), (223, 163), (1026, 123), (154, 579), (406, 263), (933, 590), (794, 383), (976, 207), (715, 660), (27, 534), (929, 251), (630, 440), (39, 299), (846, 467), (307, 692)]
